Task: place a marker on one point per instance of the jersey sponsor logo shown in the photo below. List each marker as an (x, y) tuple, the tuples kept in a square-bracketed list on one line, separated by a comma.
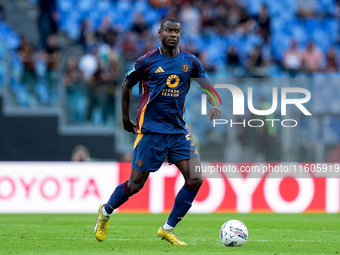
[(170, 92), (159, 70), (185, 68), (172, 81)]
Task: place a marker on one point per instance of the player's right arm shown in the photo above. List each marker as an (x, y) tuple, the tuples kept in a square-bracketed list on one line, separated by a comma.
[(128, 124), (132, 77)]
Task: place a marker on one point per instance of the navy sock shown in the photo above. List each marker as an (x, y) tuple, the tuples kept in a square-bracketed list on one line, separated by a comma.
[(118, 197), (183, 202)]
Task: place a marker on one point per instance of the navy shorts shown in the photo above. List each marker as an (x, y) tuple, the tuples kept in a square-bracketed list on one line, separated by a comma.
[(151, 149)]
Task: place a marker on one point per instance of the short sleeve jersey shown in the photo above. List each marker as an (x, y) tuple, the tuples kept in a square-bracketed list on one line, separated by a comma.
[(163, 86)]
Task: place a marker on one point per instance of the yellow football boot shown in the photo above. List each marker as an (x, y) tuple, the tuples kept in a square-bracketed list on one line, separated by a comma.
[(100, 229), (170, 236)]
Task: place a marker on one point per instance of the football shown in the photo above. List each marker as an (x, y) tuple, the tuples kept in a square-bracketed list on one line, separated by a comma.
[(233, 233)]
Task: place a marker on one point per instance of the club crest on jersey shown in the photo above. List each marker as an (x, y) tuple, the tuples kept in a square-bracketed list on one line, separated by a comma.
[(185, 68), (139, 163), (172, 81)]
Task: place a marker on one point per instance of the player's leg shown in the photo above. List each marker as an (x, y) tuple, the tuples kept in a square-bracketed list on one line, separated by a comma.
[(126, 189), (120, 195), (187, 194), (148, 155), (183, 200), (186, 158)]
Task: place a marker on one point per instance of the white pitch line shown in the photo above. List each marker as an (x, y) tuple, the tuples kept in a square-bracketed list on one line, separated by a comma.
[(75, 238), (286, 240), (23, 225), (292, 230)]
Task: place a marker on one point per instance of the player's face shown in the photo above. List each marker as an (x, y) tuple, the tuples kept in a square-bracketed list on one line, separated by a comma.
[(170, 34)]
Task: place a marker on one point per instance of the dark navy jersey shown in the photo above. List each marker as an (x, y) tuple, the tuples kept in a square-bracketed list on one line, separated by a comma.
[(163, 86)]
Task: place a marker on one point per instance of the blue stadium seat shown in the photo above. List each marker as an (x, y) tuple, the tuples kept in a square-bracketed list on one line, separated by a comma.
[(65, 5), (254, 6), (42, 91), (2, 73), (40, 68), (275, 7), (151, 16), (86, 5), (332, 27), (20, 92), (299, 33), (141, 6), (280, 42), (326, 6), (16, 67)]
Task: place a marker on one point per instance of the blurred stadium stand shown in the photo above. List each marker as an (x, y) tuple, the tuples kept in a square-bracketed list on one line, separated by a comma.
[(231, 38)]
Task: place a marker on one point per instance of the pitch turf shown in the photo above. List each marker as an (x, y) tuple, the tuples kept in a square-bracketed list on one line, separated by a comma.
[(136, 234)]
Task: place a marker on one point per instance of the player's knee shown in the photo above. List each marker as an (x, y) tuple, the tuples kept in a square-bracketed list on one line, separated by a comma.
[(194, 184), (199, 183), (135, 186)]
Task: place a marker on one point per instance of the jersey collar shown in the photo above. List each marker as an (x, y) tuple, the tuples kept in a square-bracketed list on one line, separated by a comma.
[(160, 51)]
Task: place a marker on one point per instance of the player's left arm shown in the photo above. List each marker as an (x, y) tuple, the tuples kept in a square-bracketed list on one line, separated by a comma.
[(215, 110), (213, 98)]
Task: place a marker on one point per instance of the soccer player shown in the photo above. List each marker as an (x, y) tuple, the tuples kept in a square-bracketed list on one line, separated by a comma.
[(164, 79)]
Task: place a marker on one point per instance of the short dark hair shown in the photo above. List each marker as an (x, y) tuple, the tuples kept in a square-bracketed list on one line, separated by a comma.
[(171, 19)]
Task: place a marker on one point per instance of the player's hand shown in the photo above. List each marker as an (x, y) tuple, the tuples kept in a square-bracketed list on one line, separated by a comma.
[(129, 126), (214, 113)]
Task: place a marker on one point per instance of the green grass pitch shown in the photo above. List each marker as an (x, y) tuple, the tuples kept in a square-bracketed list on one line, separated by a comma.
[(136, 234)]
